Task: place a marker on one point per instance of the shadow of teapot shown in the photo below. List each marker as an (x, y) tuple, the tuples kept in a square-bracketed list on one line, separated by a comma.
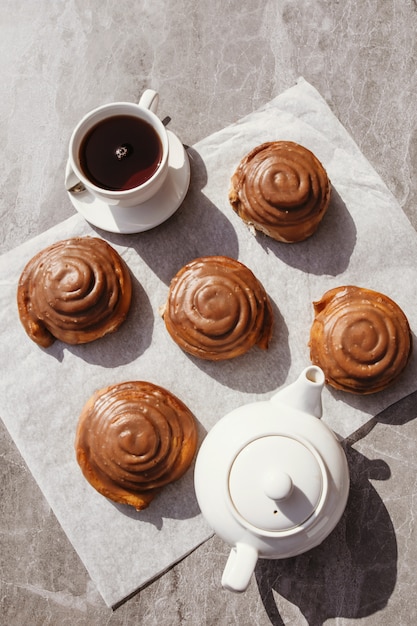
[(353, 573)]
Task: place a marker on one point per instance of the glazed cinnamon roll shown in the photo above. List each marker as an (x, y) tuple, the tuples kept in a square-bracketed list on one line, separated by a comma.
[(282, 190), (76, 290), (360, 338), (132, 439), (217, 309)]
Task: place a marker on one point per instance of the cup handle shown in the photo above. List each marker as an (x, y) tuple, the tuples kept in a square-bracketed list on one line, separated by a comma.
[(149, 100), (239, 567)]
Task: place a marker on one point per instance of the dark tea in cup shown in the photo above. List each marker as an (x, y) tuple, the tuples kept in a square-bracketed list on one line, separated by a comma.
[(120, 152)]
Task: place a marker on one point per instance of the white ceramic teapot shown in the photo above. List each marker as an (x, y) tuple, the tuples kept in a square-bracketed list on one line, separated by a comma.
[(271, 479)]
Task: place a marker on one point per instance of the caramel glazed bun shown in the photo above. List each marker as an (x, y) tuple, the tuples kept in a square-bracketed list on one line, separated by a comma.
[(132, 439), (282, 190), (217, 309), (76, 290), (360, 338)]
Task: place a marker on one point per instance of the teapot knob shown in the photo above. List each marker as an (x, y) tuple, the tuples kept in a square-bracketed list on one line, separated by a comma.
[(277, 485)]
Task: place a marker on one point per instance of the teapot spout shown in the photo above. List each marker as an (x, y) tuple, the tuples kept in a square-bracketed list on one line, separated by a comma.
[(305, 393)]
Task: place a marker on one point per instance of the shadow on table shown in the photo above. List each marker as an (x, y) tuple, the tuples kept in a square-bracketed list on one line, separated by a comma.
[(198, 228), (123, 346), (257, 371), (397, 410), (315, 255), (352, 574), (176, 500)]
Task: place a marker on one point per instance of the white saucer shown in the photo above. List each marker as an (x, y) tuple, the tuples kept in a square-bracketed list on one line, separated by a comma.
[(148, 214)]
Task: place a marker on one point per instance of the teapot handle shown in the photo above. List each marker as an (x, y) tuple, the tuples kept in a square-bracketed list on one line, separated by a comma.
[(239, 567)]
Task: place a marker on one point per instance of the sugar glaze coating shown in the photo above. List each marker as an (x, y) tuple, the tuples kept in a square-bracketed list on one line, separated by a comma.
[(217, 309), (360, 338), (282, 190), (132, 439), (76, 290)]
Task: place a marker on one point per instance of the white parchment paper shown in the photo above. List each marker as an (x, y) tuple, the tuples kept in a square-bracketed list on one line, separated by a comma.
[(365, 239)]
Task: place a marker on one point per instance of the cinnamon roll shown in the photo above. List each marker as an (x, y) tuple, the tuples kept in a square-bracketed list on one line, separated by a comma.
[(217, 309), (76, 290), (132, 439), (360, 338), (282, 190)]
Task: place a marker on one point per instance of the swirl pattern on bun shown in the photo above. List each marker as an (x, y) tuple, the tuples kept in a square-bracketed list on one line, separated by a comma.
[(132, 439), (360, 338), (282, 190), (76, 290), (217, 309)]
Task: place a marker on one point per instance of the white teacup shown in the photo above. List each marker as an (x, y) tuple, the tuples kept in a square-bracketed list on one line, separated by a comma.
[(99, 167)]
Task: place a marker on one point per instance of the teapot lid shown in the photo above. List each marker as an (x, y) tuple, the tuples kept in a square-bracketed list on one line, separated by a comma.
[(277, 483)]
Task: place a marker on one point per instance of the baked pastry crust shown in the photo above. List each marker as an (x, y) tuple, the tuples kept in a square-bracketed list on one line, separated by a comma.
[(360, 338), (76, 290), (217, 309), (282, 190), (132, 439)]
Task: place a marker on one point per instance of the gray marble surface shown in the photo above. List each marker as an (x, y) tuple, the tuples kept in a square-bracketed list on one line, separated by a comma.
[(212, 62)]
